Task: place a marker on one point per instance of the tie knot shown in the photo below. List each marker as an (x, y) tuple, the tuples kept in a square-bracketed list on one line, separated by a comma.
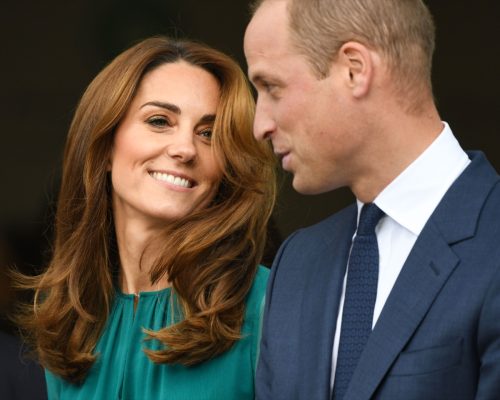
[(370, 215)]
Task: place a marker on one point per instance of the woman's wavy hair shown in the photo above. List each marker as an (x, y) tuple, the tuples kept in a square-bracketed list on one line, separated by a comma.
[(210, 256)]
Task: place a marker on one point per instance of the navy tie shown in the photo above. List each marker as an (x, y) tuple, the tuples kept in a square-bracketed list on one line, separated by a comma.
[(360, 296)]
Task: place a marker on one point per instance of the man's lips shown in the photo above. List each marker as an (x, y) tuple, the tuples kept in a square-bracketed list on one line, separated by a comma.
[(284, 157), (280, 153)]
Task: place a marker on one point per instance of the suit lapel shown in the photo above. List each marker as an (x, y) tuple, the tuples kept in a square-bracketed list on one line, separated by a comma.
[(427, 268), (320, 304), (424, 273)]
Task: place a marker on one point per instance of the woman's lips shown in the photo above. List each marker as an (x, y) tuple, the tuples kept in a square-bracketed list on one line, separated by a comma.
[(173, 179)]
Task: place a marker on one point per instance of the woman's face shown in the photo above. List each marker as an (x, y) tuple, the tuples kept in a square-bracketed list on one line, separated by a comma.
[(162, 166)]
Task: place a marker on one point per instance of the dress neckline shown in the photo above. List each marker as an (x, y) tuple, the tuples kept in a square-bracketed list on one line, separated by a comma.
[(119, 293)]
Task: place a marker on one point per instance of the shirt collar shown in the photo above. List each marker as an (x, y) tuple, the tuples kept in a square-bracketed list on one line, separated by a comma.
[(412, 196)]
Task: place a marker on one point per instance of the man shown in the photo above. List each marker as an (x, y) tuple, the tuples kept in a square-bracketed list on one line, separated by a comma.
[(20, 377), (344, 94)]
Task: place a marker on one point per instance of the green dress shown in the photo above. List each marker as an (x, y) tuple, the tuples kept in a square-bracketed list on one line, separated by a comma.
[(123, 371)]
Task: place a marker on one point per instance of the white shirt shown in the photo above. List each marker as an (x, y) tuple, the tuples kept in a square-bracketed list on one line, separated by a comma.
[(408, 202)]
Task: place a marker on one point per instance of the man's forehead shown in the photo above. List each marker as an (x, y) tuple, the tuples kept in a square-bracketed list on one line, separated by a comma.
[(267, 32), (266, 58)]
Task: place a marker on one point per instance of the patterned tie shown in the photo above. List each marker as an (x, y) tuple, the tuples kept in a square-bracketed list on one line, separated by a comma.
[(360, 295)]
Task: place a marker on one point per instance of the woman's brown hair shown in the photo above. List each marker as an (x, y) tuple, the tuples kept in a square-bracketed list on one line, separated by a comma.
[(210, 257)]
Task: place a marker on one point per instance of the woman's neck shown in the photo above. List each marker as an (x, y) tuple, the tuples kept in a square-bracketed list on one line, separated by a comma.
[(133, 237)]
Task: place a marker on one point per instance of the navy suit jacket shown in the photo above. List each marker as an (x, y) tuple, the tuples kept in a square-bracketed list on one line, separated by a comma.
[(438, 336), (20, 377)]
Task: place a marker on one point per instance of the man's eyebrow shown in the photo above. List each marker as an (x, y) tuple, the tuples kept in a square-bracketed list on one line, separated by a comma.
[(207, 119), (264, 79), (167, 106), (257, 78)]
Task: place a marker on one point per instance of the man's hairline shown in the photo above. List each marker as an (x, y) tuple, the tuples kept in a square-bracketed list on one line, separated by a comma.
[(293, 41)]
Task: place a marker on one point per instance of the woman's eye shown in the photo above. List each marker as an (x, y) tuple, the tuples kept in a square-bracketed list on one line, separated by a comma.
[(158, 121), (206, 133)]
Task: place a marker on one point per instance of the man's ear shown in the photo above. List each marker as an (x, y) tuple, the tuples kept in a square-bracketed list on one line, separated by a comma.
[(359, 63)]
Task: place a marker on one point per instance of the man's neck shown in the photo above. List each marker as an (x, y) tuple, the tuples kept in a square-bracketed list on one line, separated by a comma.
[(399, 142)]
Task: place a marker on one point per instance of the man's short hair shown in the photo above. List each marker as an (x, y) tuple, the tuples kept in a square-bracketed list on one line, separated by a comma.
[(401, 30)]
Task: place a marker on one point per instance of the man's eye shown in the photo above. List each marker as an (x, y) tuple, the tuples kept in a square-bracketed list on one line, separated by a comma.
[(270, 88), (158, 121), (206, 133)]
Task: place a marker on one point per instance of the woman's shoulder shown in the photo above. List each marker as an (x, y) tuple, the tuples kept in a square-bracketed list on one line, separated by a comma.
[(257, 292), (259, 285)]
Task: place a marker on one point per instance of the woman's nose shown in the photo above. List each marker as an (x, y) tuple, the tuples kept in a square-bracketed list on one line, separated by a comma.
[(182, 147)]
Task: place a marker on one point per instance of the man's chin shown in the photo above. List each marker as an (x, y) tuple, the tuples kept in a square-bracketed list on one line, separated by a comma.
[(308, 187), (304, 186)]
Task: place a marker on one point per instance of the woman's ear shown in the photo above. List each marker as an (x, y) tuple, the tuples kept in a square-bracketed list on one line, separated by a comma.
[(358, 62), (109, 164)]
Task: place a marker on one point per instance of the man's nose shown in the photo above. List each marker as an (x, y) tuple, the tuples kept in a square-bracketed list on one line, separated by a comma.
[(264, 124)]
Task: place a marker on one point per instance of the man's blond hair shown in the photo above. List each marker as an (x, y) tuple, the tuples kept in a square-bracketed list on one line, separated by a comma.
[(401, 30)]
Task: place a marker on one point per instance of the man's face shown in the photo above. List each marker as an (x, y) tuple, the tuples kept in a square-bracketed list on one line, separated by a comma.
[(309, 120)]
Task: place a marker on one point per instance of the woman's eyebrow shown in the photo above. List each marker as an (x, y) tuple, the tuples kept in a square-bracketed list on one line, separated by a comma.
[(168, 106)]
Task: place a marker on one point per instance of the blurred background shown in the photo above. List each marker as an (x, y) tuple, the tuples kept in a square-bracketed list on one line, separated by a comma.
[(52, 49)]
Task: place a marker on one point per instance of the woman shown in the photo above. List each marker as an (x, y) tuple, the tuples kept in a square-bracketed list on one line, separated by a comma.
[(153, 290)]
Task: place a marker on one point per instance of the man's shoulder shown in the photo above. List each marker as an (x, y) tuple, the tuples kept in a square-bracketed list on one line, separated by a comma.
[(310, 242), (327, 227), (469, 196)]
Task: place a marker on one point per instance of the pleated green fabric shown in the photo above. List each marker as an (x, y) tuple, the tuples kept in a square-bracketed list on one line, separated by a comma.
[(123, 371)]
